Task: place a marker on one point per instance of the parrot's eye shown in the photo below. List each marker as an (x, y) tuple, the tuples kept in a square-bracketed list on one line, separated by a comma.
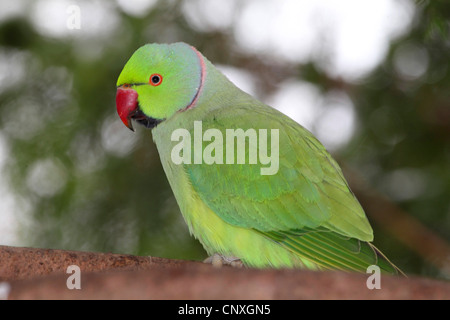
[(155, 79)]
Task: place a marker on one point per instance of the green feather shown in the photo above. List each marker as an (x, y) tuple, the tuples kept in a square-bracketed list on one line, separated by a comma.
[(330, 250)]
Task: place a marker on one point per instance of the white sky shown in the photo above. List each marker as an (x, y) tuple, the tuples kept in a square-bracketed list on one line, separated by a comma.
[(345, 38)]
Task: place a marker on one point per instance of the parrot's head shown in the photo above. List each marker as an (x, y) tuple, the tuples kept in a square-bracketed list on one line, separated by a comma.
[(158, 81)]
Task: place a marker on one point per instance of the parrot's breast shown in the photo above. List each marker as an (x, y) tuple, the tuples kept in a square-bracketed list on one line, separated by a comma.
[(216, 235)]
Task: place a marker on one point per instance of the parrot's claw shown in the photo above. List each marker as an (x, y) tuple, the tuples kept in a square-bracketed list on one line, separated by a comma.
[(218, 260)]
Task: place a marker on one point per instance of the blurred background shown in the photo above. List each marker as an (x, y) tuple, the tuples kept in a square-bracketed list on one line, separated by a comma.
[(369, 78)]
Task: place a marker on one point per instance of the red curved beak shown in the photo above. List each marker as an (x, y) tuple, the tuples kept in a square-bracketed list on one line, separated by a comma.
[(127, 105)]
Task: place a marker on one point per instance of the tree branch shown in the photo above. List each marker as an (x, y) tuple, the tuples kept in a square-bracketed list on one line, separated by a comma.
[(25, 263), (41, 274)]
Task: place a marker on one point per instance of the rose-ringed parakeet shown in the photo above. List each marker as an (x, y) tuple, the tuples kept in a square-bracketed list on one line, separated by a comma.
[(299, 213)]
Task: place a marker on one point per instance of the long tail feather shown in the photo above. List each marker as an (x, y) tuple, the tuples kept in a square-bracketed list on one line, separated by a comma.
[(329, 250)]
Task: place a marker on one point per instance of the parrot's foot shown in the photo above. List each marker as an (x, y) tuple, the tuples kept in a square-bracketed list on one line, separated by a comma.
[(218, 260)]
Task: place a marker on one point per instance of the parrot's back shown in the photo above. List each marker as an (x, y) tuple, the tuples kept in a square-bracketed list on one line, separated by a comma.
[(304, 215)]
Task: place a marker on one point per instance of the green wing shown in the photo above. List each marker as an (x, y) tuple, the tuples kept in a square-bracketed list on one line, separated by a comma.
[(306, 206)]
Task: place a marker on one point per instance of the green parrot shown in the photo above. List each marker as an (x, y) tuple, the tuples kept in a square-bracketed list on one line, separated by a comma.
[(291, 209)]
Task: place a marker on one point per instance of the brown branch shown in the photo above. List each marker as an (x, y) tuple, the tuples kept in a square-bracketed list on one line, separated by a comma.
[(24, 263), (113, 276)]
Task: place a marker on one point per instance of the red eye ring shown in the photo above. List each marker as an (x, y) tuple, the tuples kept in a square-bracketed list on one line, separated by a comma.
[(155, 79)]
